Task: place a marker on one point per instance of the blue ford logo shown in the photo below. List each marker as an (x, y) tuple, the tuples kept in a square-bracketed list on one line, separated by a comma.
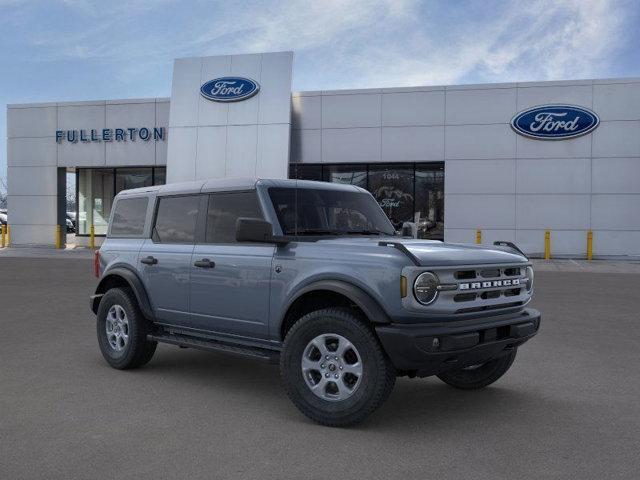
[(555, 122), (229, 89)]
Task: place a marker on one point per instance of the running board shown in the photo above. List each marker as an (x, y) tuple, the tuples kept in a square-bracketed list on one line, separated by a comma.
[(210, 345)]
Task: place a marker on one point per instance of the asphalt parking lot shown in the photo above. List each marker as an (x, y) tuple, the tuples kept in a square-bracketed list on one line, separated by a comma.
[(569, 408)]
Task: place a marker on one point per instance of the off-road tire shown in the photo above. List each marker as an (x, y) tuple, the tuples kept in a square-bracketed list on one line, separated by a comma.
[(480, 377), (138, 350), (378, 376)]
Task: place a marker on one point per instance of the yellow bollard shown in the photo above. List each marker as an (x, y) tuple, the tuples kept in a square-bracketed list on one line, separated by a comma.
[(547, 244), (58, 237), (92, 237), (589, 245), (4, 235), (8, 234), (478, 236)]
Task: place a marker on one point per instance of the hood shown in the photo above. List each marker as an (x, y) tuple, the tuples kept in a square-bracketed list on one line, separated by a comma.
[(433, 253)]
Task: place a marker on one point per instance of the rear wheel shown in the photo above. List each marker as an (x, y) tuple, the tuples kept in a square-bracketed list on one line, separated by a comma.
[(334, 369), (479, 376), (122, 331)]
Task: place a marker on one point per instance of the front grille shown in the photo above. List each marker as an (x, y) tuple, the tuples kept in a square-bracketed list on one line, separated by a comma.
[(487, 288), (475, 289)]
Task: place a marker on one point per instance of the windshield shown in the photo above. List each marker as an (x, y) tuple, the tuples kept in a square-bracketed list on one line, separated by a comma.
[(306, 211)]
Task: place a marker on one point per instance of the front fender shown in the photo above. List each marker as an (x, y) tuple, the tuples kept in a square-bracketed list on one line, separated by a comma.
[(132, 280), (369, 306)]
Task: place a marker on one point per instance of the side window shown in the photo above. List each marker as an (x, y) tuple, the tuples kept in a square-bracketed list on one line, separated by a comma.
[(224, 209), (176, 219), (129, 216)]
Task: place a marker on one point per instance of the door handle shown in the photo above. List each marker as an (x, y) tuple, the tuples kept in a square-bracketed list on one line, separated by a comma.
[(204, 263), (149, 260)]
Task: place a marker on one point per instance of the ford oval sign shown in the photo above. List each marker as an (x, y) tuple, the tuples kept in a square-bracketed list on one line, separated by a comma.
[(229, 89), (555, 122)]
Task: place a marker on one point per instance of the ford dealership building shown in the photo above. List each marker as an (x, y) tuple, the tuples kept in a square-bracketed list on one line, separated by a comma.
[(512, 160)]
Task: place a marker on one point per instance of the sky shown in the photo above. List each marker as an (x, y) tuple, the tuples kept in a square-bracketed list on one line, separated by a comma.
[(87, 50)]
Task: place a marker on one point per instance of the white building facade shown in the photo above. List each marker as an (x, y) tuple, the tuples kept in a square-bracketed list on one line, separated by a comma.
[(450, 159)]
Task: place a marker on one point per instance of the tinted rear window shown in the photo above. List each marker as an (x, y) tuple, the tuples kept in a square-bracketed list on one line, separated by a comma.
[(128, 217), (224, 209), (176, 219)]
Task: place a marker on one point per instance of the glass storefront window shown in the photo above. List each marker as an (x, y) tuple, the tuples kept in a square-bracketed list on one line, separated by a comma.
[(393, 187), (406, 192), (127, 178), (429, 210), (409, 192), (301, 171), (95, 196), (349, 174), (98, 186), (159, 176)]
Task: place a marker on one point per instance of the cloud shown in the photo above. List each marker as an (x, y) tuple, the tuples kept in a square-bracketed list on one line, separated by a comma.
[(543, 40), (360, 43), (551, 40)]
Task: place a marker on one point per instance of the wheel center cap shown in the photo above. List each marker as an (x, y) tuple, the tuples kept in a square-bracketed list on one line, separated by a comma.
[(332, 367)]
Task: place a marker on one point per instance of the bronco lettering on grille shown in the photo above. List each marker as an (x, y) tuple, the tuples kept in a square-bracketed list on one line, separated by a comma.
[(489, 284)]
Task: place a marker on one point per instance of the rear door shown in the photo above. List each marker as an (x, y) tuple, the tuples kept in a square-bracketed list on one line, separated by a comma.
[(230, 281), (165, 258)]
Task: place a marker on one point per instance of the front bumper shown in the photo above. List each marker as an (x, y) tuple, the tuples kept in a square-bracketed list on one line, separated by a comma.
[(429, 349)]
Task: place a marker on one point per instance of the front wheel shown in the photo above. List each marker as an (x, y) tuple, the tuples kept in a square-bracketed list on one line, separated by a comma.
[(479, 376), (334, 369)]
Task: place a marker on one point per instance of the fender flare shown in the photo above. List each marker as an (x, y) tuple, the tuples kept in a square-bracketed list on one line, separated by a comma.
[(134, 283), (370, 307)]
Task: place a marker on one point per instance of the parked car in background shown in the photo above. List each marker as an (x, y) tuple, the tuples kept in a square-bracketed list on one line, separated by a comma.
[(3, 217), (71, 217), (71, 228)]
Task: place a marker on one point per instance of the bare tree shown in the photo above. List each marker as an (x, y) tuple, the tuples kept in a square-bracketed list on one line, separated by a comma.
[(3, 193), (71, 196)]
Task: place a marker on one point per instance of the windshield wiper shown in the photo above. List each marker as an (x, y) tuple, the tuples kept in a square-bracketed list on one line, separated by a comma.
[(316, 231), (365, 232), (324, 231)]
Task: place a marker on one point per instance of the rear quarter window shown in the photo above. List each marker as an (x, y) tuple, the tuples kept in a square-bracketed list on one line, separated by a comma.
[(128, 217)]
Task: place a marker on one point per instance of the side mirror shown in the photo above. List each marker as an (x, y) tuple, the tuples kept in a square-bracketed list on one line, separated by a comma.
[(253, 230)]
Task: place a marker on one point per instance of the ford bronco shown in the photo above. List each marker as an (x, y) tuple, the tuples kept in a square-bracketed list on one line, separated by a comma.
[(311, 275)]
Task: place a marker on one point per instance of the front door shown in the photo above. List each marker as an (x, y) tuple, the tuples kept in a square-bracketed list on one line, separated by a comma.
[(165, 259), (230, 281)]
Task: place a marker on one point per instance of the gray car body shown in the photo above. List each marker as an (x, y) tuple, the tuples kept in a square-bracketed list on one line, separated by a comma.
[(247, 295)]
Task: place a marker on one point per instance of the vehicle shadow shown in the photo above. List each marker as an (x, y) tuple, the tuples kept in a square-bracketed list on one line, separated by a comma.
[(414, 403)]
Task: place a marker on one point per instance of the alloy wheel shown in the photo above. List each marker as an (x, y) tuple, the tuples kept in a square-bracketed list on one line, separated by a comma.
[(332, 367), (117, 328)]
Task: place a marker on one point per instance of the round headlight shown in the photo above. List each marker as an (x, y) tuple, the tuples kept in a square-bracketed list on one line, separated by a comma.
[(529, 281), (425, 288)]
